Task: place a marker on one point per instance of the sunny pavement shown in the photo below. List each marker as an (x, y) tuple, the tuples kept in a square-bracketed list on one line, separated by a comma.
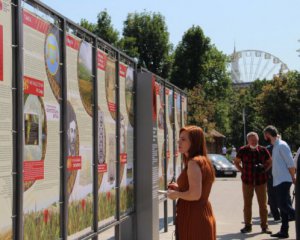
[(227, 202)]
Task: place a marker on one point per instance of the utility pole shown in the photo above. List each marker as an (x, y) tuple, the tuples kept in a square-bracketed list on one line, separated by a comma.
[(244, 122)]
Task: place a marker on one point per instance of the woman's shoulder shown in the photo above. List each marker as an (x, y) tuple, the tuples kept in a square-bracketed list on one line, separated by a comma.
[(199, 160)]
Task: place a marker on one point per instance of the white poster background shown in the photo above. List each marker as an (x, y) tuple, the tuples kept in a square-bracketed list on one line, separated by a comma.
[(6, 124)]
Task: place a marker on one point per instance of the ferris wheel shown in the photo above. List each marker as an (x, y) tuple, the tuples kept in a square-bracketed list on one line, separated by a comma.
[(250, 65)]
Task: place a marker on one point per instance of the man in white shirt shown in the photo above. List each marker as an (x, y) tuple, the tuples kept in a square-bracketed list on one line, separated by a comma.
[(283, 171)]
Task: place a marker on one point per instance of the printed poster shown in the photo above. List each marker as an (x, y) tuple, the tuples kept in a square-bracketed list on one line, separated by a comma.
[(160, 93), (126, 74), (107, 172), (6, 119), (80, 136), (177, 109), (169, 137), (184, 110), (42, 81)]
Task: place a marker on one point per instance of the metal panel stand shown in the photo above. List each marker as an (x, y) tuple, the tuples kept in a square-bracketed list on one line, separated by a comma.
[(147, 161)]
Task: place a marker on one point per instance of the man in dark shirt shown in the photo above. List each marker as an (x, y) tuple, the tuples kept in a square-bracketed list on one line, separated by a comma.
[(254, 161)]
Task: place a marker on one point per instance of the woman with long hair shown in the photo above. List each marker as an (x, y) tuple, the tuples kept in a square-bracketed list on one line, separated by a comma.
[(194, 216)]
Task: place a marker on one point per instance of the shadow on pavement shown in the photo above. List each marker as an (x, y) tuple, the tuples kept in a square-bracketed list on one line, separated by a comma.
[(232, 236), (161, 222)]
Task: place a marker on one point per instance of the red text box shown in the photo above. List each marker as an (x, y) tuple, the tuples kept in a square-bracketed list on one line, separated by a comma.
[(122, 70), (35, 22), (33, 86), (72, 42), (112, 107), (33, 170), (123, 157), (74, 163), (102, 59), (102, 168)]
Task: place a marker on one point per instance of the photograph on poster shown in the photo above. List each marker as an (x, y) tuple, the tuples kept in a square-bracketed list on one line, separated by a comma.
[(31, 129), (72, 145), (110, 81), (35, 133), (52, 59), (85, 80), (129, 95), (170, 106), (161, 118)]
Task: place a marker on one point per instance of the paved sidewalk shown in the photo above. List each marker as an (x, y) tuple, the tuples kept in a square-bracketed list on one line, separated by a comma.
[(227, 201)]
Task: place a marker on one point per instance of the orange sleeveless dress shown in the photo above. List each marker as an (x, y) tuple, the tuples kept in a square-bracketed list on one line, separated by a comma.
[(195, 219)]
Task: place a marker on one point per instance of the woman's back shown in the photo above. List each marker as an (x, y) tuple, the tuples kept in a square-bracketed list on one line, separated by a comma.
[(195, 219)]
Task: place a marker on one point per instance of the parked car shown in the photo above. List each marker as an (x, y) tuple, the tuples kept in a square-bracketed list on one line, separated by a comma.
[(222, 165)]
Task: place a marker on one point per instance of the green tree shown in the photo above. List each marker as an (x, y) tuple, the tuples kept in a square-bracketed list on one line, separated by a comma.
[(146, 37), (244, 99), (103, 28), (197, 62), (87, 25), (200, 111), (279, 105), (189, 59)]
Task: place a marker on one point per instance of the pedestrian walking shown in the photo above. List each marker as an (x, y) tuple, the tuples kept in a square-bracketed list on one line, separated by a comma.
[(254, 161), (233, 153), (224, 150)]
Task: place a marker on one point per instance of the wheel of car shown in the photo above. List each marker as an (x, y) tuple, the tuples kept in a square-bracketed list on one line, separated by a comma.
[(216, 171)]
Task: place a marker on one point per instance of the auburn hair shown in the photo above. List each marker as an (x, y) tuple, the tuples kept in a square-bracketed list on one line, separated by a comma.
[(197, 150)]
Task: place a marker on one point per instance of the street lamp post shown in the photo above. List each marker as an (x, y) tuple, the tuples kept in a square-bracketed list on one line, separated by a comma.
[(244, 122)]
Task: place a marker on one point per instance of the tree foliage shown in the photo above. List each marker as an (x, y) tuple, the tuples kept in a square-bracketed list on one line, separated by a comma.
[(275, 102), (189, 59), (200, 65), (146, 37), (279, 104), (103, 28)]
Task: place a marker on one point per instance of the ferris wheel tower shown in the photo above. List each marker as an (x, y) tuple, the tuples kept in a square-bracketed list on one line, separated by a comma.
[(249, 65)]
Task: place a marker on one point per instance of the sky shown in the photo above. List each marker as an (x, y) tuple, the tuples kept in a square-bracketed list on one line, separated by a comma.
[(271, 26)]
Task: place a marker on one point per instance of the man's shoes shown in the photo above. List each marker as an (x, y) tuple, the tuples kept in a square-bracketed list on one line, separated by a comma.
[(292, 218), (266, 230), (280, 235), (277, 220), (246, 229)]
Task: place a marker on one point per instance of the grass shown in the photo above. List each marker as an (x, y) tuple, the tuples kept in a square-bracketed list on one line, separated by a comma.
[(80, 214), (6, 235), (86, 94), (41, 224), (106, 205), (126, 199)]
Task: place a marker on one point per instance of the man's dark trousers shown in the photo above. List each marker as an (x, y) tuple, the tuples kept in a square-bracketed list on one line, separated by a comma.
[(284, 203)]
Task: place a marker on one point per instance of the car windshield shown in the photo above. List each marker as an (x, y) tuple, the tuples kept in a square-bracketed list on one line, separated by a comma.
[(218, 158)]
